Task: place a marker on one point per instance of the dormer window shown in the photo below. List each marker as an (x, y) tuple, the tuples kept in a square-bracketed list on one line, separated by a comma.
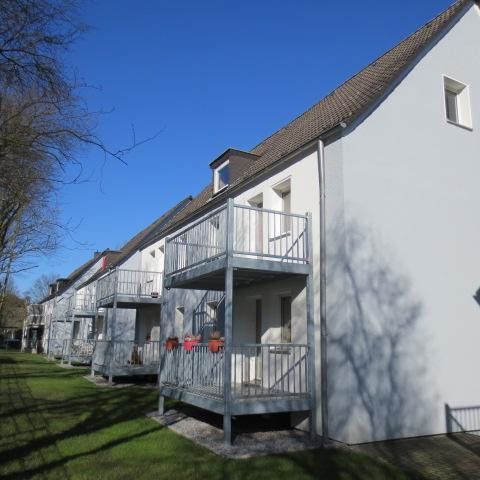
[(222, 176), (229, 166)]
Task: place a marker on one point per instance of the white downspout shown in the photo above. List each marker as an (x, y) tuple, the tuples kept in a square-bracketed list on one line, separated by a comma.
[(323, 291)]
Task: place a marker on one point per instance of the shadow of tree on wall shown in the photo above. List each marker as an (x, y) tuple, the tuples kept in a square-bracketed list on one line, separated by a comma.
[(378, 382)]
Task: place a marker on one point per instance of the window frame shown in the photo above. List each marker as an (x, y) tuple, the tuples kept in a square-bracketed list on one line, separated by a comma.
[(216, 176), (282, 189), (463, 105)]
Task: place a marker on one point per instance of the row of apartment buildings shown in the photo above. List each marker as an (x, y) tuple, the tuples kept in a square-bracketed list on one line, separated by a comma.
[(334, 264)]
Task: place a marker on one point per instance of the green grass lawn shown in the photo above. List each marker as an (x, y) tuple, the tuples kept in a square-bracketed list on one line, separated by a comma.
[(55, 424)]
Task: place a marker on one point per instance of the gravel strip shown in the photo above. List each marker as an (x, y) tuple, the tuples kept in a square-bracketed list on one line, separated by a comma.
[(245, 445)]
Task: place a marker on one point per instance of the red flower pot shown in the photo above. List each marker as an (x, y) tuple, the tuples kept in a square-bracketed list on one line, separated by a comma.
[(171, 344), (189, 344), (215, 345)]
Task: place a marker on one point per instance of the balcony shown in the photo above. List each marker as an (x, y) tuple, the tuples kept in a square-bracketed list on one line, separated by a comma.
[(83, 302), (259, 244), (128, 288), (232, 247), (126, 358), (264, 378), (35, 316), (78, 350)]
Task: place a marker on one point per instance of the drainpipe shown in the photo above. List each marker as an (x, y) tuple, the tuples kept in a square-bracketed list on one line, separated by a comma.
[(323, 291), (323, 277), (51, 329)]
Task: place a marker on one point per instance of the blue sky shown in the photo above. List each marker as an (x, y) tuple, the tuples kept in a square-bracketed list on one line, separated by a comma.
[(207, 76)]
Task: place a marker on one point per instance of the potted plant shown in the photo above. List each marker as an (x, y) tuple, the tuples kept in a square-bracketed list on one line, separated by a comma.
[(191, 341), (216, 341), (171, 343)]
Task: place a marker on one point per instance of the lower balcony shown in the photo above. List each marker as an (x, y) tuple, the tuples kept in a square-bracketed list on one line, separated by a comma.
[(126, 358), (265, 378), (32, 341), (78, 351)]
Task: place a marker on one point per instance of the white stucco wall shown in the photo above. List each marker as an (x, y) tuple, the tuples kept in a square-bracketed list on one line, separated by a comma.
[(152, 257), (403, 236)]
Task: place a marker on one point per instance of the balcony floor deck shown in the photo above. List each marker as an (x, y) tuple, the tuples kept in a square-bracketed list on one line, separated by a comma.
[(84, 313), (82, 359), (256, 402), (210, 275), (128, 301), (127, 370)]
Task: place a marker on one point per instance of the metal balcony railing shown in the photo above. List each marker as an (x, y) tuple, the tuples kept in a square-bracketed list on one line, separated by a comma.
[(83, 301), (126, 354), (257, 233), (35, 314), (78, 349), (129, 283), (463, 419), (258, 370), (135, 354)]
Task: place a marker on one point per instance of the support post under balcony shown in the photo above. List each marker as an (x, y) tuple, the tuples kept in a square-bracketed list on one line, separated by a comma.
[(112, 329), (162, 337), (227, 375), (72, 319)]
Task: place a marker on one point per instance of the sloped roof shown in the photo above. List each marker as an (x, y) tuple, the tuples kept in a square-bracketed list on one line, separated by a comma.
[(343, 105), (145, 237), (114, 257), (75, 275)]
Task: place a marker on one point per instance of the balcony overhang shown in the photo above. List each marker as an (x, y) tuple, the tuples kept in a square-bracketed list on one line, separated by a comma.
[(129, 301), (247, 271), (244, 406)]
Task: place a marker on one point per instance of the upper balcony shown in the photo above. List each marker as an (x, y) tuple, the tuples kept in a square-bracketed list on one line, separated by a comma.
[(83, 302), (129, 288), (35, 314), (259, 244)]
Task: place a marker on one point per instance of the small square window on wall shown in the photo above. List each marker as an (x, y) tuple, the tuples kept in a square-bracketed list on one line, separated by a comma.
[(457, 103)]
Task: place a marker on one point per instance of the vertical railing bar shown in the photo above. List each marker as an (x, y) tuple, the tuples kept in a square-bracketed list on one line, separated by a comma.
[(294, 371)]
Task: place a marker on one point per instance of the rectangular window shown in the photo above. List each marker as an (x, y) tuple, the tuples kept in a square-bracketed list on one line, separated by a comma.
[(286, 319), (222, 177), (99, 325), (256, 233), (457, 103), (76, 329), (286, 208), (284, 204), (451, 105)]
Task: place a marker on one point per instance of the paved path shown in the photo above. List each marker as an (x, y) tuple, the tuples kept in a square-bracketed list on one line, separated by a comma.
[(454, 457)]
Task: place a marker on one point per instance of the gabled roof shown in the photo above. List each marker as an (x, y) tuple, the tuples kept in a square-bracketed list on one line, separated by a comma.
[(344, 105), (114, 257), (76, 274), (142, 239)]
